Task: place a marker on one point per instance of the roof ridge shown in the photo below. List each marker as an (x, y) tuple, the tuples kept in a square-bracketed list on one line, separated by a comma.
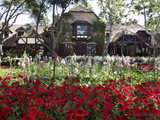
[(80, 8)]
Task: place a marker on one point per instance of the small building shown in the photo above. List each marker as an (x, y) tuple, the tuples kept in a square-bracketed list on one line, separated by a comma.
[(23, 38), (129, 40)]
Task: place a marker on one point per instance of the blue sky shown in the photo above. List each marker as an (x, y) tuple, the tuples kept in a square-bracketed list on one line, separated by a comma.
[(24, 19)]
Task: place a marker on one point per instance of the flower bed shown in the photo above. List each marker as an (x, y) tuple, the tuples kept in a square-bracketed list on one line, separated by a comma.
[(3, 67), (145, 67), (114, 100)]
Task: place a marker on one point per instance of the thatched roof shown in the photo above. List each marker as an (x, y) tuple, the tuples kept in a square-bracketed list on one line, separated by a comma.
[(16, 28), (155, 41), (135, 30), (20, 29), (119, 30), (80, 9)]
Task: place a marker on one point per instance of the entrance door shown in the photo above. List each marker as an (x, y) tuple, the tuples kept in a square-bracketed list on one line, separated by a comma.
[(91, 48), (131, 50)]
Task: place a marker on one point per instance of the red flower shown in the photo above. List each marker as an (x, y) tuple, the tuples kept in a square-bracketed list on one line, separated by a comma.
[(8, 77), (39, 101), (24, 118), (38, 82), (41, 115), (80, 114), (70, 115), (66, 78), (49, 105), (21, 76), (4, 83), (4, 112), (52, 78)]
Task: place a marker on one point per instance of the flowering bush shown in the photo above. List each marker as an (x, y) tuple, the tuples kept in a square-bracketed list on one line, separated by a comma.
[(114, 100), (88, 69), (145, 67)]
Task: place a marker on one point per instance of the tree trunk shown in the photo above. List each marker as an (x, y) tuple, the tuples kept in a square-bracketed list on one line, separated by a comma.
[(53, 41), (145, 17), (52, 34), (108, 42), (1, 50), (53, 15)]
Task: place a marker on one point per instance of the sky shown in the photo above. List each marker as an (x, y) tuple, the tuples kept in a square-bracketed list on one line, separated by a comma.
[(26, 19)]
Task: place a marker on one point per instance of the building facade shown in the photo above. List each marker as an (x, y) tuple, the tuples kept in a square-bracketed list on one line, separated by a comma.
[(80, 35), (130, 40)]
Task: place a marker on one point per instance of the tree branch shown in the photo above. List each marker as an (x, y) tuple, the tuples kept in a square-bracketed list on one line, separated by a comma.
[(17, 8), (15, 17), (6, 24)]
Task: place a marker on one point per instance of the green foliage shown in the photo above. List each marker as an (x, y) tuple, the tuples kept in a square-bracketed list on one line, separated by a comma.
[(66, 33), (150, 10), (63, 3), (88, 73), (86, 5), (98, 28), (112, 10)]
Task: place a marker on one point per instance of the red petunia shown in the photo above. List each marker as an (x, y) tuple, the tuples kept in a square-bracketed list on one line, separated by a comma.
[(21, 76), (39, 101), (41, 115)]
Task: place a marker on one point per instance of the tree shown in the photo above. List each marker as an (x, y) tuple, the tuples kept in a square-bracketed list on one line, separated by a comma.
[(13, 8), (154, 16), (149, 9), (141, 7), (10, 10), (111, 12), (56, 29)]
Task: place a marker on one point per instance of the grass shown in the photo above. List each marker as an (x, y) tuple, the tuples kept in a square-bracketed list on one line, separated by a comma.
[(88, 76), (12, 71), (87, 72)]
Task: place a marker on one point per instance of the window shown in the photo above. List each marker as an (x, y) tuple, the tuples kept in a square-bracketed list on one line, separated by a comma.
[(107, 36), (6, 34), (22, 41), (20, 33), (91, 49), (81, 29)]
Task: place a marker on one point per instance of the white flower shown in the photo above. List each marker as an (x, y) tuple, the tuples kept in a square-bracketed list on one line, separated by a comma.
[(115, 72), (23, 65), (63, 61)]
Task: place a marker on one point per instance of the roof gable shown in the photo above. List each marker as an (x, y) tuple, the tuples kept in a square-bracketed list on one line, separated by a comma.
[(80, 9), (118, 30)]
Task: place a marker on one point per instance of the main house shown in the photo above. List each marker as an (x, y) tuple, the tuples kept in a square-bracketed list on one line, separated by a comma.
[(88, 33), (84, 37)]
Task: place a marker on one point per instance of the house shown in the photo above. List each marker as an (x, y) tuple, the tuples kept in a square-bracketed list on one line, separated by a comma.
[(85, 38), (22, 38), (129, 40), (80, 35)]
